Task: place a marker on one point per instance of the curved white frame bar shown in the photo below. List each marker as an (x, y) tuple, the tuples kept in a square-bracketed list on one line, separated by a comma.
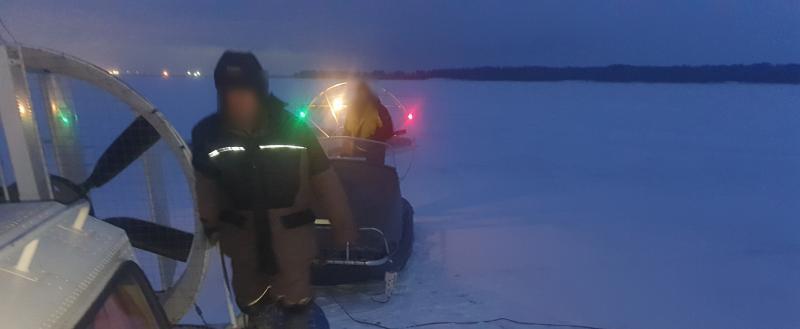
[(179, 297)]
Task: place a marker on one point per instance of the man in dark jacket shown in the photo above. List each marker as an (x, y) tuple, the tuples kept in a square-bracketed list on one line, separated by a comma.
[(259, 170)]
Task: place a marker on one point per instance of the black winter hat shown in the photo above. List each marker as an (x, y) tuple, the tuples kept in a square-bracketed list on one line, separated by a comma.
[(239, 70)]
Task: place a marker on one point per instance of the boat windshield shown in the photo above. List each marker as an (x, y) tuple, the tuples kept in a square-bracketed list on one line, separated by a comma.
[(126, 302), (328, 111), (327, 114)]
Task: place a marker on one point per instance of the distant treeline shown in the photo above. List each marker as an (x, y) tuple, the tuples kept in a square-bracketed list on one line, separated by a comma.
[(752, 73)]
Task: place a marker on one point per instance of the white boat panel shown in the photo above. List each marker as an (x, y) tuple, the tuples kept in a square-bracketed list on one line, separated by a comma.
[(69, 268)]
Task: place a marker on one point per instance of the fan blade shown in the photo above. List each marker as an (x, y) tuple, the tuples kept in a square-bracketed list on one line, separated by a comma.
[(130, 145), (158, 239)]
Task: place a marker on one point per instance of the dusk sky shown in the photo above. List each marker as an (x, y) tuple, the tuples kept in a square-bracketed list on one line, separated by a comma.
[(419, 34)]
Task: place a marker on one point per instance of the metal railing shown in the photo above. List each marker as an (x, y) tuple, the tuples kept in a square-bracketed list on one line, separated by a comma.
[(357, 149), (348, 260)]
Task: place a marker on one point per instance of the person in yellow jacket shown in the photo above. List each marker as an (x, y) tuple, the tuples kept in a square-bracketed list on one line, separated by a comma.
[(367, 118)]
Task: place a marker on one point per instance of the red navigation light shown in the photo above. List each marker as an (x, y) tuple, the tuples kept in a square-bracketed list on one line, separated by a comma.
[(410, 116)]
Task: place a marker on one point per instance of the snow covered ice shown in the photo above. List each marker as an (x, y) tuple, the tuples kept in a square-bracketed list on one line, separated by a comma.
[(598, 204)]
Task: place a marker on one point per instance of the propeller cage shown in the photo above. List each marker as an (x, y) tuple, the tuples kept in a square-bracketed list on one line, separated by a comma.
[(29, 166)]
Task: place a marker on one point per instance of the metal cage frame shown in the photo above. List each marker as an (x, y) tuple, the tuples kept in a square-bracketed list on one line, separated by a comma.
[(180, 296)]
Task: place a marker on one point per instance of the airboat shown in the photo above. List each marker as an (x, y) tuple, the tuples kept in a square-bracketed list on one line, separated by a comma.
[(93, 233), (372, 183), (74, 251)]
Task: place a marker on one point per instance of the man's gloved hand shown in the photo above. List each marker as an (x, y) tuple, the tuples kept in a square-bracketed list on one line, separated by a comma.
[(345, 236), (212, 235)]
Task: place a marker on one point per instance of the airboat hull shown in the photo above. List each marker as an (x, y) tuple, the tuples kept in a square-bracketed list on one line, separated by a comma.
[(385, 221)]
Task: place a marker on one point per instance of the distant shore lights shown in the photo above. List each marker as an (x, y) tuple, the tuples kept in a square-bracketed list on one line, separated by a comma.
[(193, 74), (165, 74), (114, 72)]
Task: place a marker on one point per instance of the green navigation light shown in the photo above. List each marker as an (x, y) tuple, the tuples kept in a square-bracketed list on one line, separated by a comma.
[(302, 112), (64, 115)]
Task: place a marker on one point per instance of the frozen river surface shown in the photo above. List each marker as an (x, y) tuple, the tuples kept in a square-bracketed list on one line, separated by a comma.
[(605, 205)]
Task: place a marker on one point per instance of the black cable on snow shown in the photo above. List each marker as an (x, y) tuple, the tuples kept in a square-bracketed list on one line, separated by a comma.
[(428, 324)]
